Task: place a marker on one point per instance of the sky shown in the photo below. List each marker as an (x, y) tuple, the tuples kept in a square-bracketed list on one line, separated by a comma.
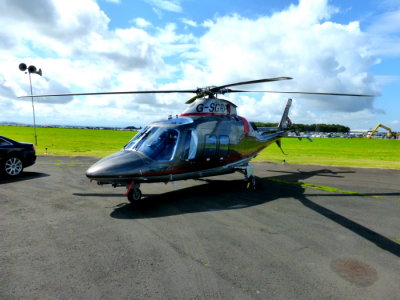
[(341, 46)]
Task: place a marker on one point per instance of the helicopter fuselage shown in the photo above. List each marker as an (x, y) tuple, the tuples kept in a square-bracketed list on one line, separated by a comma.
[(196, 144)]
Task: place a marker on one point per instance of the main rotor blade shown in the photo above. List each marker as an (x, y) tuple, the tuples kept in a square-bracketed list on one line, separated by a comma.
[(302, 93), (252, 81), (111, 93), (194, 98), (197, 91)]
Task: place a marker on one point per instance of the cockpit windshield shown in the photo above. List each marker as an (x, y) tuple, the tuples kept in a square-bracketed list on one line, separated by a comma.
[(136, 138), (158, 143)]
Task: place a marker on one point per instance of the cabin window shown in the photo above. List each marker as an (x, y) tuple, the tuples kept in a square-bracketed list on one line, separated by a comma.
[(223, 145), (190, 145), (210, 146)]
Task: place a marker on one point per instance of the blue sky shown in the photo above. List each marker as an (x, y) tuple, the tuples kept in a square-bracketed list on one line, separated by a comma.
[(326, 46)]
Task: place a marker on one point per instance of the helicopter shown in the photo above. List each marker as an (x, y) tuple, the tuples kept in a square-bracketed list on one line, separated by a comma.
[(207, 139)]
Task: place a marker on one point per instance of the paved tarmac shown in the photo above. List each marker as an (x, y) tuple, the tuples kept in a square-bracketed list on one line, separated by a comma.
[(307, 232)]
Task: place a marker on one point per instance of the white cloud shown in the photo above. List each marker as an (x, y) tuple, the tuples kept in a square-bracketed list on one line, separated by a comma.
[(188, 22), (386, 79), (168, 5), (322, 56), (78, 52), (385, 31), (142, 23), (386, 23)]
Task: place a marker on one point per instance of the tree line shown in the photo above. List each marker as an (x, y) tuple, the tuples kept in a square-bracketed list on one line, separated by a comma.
[(311, 127)]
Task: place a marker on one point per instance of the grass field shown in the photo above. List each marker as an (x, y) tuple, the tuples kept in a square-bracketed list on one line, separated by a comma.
[(70, 142), (372, 153), (376, 153)]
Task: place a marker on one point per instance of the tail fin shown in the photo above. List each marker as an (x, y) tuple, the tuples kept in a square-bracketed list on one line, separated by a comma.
[(285, 122)]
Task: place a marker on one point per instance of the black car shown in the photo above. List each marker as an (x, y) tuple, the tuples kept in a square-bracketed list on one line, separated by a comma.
[(15, 156)]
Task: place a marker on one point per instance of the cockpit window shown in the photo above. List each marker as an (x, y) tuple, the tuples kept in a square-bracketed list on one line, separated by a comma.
[(136, 138), (158, 143)]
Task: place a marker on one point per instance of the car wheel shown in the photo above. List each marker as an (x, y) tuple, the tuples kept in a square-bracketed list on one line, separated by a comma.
[(13, 166)]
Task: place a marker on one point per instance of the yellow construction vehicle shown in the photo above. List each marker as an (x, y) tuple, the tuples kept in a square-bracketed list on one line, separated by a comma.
[(390, 133)]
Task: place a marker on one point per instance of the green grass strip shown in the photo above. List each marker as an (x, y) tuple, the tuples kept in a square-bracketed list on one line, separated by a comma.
[(366, 153), (397, 240), (320, 187)]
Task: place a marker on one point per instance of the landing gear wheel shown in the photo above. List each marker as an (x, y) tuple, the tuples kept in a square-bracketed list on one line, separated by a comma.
[(251, 183), (13, 166), (134, 195)]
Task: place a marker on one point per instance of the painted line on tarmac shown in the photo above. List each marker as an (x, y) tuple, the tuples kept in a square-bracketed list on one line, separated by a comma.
[(321, 188)]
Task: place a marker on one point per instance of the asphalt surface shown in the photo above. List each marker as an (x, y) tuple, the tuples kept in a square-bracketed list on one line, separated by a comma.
[(64, 238)]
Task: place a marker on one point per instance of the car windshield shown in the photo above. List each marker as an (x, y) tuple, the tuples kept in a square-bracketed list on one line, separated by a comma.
[(158, 143)]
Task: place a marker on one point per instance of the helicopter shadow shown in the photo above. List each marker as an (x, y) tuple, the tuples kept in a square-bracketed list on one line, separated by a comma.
[(22, 177), (362, 231), (218, 195), (213, 195)]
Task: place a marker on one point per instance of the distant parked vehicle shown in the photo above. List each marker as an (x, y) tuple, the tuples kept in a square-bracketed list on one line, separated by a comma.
[(15, 156)]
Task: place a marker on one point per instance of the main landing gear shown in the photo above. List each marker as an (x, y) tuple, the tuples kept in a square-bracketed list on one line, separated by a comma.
[(133, 192), (251, 183), (249, 178)]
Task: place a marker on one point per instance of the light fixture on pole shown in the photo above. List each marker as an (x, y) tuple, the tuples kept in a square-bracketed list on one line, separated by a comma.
[(31, 69)]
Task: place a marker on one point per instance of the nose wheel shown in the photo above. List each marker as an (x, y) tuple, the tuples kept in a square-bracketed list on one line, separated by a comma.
[(133, 193)]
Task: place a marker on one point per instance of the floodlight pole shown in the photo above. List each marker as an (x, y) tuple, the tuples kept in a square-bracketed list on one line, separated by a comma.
[(31, 69), (33, 108)]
